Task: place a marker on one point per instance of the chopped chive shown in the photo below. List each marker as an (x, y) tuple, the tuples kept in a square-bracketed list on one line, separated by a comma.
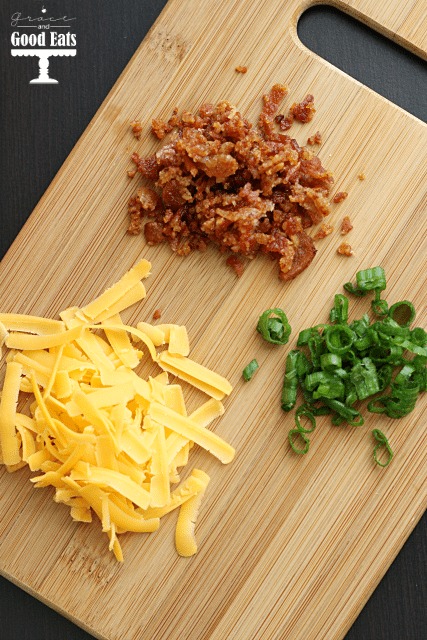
[(290, 381), (274, 327), (382, 443), (342, 363), (339, 312), (371, 279), (403, 311), (339, 338), (250, 369), (300, 431)]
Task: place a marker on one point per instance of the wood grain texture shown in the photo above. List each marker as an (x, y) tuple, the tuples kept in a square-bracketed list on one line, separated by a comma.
[(277, 533)]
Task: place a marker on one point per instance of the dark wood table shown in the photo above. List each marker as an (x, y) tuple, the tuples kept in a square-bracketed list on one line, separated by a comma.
[(40, 125)]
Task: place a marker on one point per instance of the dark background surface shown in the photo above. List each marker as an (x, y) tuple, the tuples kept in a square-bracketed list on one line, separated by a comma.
[(39, 127)]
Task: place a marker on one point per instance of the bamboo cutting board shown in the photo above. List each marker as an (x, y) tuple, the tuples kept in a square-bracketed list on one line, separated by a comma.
[(290, 547)]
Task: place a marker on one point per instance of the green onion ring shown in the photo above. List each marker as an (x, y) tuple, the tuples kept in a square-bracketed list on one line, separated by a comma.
[(274, 327)]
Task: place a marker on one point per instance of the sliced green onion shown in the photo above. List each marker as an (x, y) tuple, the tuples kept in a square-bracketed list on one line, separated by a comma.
[(414, 348), (339, 338), (367, 280), (323, 410), (341, 373), (402, 399), (405, 374), (349, 286), (350, 357), (353, 417), (303, 365), (274, 327), (391, 354), (339, 312), (419, 336), (371, 279), (300, 431), (420, 375), (389, 327), (364, 377), (384, 375), (379, 307), (350, 395), (369, 339), (330, 361), (293, 435), (332, 389), (382, 443), (316, 348), (361, 326), (341, 363), (306, 334), (404, 310), (303, 337), (377, 405), (290, 381), (306, 413), (250, 369)]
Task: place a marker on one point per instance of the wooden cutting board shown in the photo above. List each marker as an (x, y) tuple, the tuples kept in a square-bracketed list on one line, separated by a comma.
[(290, 547)]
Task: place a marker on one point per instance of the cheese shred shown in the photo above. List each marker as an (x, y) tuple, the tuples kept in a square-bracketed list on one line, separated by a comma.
[(109, 442)]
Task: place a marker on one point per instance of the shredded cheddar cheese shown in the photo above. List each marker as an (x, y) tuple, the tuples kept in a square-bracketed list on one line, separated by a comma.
[(108, 441)]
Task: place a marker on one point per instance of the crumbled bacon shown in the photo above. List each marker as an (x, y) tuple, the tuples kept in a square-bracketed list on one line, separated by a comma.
[(221, 180), (346, 225), (315, 139), (345, 249), (161, 129), (157, 314), (325, 229), (147, 166), (361, 176), (339, 197), (236, 264), (304, 110), (148, 198), (284, 123), (134, 210), (241, 69), (136, 129)]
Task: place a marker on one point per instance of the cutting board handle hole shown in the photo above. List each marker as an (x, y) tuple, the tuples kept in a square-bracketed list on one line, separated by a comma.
[(387, 68)]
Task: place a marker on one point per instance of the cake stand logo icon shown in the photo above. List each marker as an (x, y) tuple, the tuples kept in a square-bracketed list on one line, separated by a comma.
[(42, 36)]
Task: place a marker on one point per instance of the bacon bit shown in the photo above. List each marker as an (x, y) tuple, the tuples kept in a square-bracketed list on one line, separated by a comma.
[(157, 314), (361, 176), (240, 69), (284, 123), (345, 249), (146, 166), (246, 189), (316, 139), (161, 128), (271, 103), (346, 225), (304, 110), (272, 100), (148, 198), (136, 129), (324, 230), (134, 209), (236, 264), (339, 197), (153, 232), (132, 174)]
